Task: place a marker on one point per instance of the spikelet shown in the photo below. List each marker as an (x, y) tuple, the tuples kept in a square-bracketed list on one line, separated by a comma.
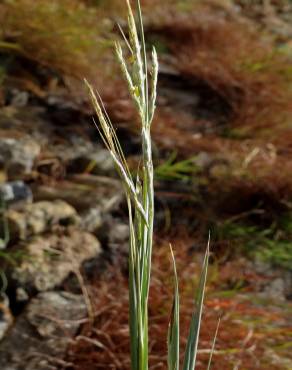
[(111, 141), (138, 68), (134, 90), (154, 78)]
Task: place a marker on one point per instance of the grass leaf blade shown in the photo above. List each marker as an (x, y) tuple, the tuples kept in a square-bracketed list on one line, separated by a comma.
[(193, 338), (173, 329)]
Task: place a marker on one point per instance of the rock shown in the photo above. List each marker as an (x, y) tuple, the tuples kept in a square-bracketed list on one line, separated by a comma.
[(114, 234), (84, 192), (19, 123), (41, 334), (119, 232), (21, 295), (288, 284), (118, 243), (96, 162), (279, 287), (277, 283), (48, 260), (82, 155), (15, 192), (18, 98), (204, 160), (35, 218), (6, 318), (91, 220), (74, 147), (17, 156), (275, 290)]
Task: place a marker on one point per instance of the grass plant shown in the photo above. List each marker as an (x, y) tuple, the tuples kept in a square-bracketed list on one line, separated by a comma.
[(172, 169), (140, 199), (270, 244)]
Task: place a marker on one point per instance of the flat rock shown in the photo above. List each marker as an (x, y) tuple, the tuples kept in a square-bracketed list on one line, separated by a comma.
[(97, 162), (18, 155), (41, 334), (92, 220), (84, 192), (81, 155), (36, 218), (49, 259), (15, 192)]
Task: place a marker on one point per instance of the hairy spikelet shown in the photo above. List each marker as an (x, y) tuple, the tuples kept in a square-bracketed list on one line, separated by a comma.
[(154, 77)]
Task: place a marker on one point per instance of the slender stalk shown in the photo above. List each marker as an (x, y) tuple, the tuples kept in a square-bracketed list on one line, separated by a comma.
[(140, 196), (140, 200)]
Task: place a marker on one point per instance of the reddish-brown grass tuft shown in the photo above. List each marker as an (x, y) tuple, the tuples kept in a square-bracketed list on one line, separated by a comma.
[(106, 344)]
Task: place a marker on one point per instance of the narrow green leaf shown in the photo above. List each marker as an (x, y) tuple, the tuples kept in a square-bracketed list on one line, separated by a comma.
[(193, 338), (133, 321), (173, 329)]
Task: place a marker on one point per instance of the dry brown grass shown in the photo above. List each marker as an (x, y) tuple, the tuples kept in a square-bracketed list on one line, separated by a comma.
[(59, 35), (106, 345), (235, 60), (46, 41), (224, 51)]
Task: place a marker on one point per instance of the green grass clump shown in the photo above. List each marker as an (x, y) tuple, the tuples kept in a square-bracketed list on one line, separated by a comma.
[(176, 170), (140, 199), (271, 244)]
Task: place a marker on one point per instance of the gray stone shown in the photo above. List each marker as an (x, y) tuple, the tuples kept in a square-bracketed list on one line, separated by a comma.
[(116, 234), (15, 192), (278, 282), (41, 334), (35, 218), (21, 295), (119, 233), (96, 162), (17, 156), (29, 123), (204, 159), (102, 163), (275, 290), (84, 192), (48, 260), (19, 98), (77, 146), (91, 220), (81, 155)]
